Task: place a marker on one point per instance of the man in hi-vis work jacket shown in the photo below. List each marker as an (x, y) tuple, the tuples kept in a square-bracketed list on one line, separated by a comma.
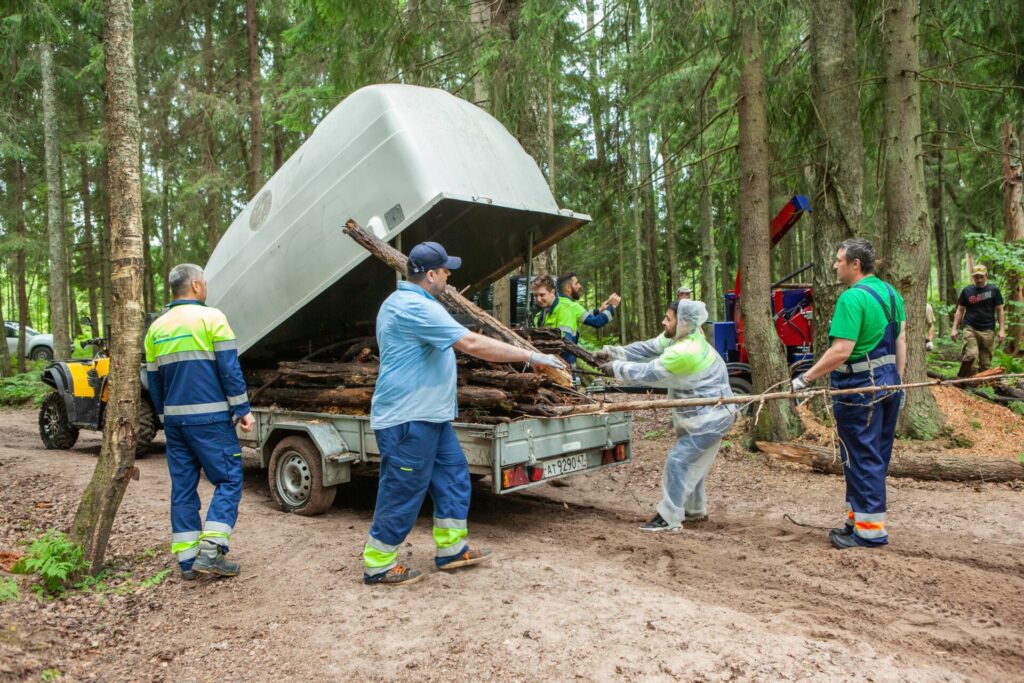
[(197, 389)]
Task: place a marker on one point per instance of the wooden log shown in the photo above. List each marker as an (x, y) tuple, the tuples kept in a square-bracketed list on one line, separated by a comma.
[(344, 374), (356, 397), (519, 382), (450, 297), (483, 397), (256, 394), (905, 463), (358, 347)]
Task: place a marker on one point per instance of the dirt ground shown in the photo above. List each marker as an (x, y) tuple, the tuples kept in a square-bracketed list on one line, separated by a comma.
[(575, 590)]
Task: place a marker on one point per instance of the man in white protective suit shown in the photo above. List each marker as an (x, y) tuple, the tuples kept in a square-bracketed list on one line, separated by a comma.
[(682, 361)]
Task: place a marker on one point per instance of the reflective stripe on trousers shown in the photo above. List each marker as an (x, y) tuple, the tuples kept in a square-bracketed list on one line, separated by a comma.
[(449, 535), (378, 556)]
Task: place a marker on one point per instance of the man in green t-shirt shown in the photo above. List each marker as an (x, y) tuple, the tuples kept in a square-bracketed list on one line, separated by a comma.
[(869, 348)]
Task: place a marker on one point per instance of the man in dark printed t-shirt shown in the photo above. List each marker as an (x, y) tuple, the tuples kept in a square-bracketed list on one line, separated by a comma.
[(977, 307)]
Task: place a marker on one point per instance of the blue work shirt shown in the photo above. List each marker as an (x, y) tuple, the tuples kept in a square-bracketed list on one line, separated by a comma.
[(416, 381)]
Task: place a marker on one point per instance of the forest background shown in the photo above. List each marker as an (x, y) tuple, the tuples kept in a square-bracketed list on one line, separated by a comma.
[(637, 111)]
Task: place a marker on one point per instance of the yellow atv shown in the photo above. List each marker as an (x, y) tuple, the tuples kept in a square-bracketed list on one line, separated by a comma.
[(79, 400)]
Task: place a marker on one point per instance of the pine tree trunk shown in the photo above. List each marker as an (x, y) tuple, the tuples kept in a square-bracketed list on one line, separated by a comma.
[(88, 248), (255, 106), (19, 261), (651, 275), (839, 170), (165, 237), (115, 466), (58, 288), (1013, 219), (668, 180), (105, 246), (708, 255), (211, 205), (907, 253), (5, 356), (777, 421)]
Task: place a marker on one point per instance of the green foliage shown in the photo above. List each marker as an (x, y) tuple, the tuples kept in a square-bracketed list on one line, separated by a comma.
[(9, 591), (24, 388), (55, 560), (51, 675), (1012, 364), (655, 434), (1017, 407)]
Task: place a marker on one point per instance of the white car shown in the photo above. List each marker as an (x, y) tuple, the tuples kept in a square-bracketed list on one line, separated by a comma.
[(38, 346)]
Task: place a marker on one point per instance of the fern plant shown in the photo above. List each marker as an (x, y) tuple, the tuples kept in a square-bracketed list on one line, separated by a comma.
[(54, 559)]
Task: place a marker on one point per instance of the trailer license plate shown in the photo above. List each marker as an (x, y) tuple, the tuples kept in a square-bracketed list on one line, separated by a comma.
[(571, 463)]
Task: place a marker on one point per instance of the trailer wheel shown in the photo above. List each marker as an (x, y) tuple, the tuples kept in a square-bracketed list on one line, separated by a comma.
[(55, 429), (741, 387), (296, 478)]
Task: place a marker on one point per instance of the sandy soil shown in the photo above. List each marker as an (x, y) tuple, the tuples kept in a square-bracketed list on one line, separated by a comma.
[(575, 591)]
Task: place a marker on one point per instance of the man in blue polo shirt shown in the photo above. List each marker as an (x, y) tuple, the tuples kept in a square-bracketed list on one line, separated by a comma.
[(413, 406)]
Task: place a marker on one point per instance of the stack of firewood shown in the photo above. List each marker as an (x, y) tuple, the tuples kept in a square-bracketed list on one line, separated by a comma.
[(487, 393)]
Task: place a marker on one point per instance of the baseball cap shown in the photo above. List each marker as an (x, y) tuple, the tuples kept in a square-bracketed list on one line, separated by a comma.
[(430, 255), (979, 270)]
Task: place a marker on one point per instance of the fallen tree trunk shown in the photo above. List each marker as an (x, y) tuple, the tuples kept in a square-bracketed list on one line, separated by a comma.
[(910, 464), (518, 382), (450, 297)]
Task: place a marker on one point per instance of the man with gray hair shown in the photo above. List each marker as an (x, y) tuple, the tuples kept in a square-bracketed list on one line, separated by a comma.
[(197, 388)]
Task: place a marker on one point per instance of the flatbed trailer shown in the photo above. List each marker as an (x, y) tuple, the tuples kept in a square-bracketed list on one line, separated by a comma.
[(307, 455)]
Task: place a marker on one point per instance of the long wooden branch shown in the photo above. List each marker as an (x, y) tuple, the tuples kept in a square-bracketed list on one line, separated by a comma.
[(759, 398), (450, 297)]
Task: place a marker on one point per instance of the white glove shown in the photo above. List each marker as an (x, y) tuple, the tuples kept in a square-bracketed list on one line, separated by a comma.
[(800, 383), (903, 399), (928, 345), (548, 360), (603, 356)]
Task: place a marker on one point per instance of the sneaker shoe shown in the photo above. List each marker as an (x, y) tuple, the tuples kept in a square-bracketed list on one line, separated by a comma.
[(846, 530), (703, 517), (396, 576), (218, 565), (468, 557), (658, 523)]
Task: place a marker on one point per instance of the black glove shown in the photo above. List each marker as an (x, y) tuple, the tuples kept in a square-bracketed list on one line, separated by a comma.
[(607, 370)]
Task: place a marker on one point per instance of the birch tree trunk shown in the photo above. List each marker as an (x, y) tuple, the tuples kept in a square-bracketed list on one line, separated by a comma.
[(907, 252), (58, 288), (777, 421), (1013, 219), (115, 466)]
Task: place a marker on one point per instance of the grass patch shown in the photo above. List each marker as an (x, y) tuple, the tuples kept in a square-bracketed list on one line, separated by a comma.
[(9, 591), (25, 388), (655, 434)]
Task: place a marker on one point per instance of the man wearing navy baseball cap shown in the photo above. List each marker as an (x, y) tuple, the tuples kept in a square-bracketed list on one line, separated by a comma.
[(413, 406)]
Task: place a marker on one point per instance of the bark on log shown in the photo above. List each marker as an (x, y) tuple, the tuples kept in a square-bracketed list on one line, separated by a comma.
[(518, 382), (356, 397), (452, 300), (483, 397), (910, 464)]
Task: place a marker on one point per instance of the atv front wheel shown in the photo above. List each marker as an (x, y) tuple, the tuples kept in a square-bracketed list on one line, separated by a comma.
[(55, 430), (147, 427)]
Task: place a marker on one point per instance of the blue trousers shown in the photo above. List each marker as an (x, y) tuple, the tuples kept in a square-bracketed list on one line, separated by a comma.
[(214, 449), (866, 434), (417, 457)]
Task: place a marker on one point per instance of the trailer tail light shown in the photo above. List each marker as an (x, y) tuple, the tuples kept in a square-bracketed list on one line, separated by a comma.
[(608, 456), (536, 472), (515, 476), (620, 452)]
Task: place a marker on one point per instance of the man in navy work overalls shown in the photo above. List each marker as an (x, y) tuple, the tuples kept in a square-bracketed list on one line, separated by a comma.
[(869, 348), (411, 415)]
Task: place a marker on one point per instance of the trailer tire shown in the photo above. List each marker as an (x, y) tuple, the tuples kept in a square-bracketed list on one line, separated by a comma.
[(741, 387), (296, 478)]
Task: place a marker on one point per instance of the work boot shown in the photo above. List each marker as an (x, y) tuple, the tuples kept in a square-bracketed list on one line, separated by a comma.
[(396, 576), (966, 369), (469, 556), (845, 530), (658, 523), (189, 574), (843, 541), (213, 561)]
